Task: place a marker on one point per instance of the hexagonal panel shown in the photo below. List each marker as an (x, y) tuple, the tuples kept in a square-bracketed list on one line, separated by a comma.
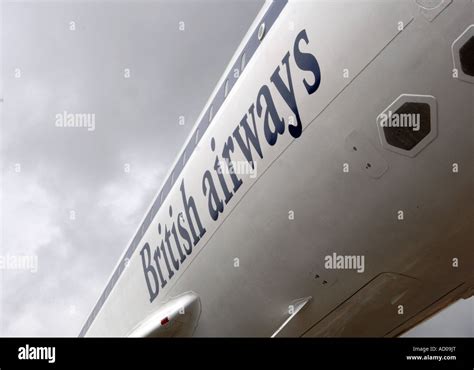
[(406, 137), (409, 124), (463, 55)]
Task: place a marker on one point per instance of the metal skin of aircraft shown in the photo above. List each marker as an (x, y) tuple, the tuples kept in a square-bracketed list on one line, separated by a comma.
[(325, 190)]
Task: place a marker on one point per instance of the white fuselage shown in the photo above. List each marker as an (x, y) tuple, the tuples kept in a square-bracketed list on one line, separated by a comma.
[(314, 181)]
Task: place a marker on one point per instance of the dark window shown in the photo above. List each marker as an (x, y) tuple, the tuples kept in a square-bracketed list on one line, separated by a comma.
[(407, 137), (466, 55)]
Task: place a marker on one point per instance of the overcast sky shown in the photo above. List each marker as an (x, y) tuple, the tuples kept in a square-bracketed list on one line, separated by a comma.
[(67, 197)]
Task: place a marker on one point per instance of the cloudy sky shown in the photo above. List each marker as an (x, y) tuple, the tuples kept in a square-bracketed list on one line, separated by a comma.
[(73, 198)]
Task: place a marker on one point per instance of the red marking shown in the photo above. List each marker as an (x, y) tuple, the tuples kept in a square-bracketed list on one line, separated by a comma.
[(165, 321)]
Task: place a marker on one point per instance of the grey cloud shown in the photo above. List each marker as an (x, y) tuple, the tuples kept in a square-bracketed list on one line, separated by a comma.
[(73, 169)]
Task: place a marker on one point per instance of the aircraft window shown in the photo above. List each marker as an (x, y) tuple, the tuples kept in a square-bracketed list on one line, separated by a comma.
[(243, 61), (406, 137), (466, 55), (197, 136), (210, 113), (226, 88), (261, 32)]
